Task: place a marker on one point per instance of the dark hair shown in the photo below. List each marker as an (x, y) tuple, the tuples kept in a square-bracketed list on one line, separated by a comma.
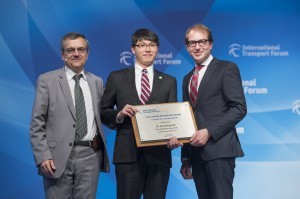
[(72, 36), (199, 27), (144, 34)]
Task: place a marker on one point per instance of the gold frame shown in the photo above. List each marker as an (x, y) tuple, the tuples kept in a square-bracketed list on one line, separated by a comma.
[(137, 136)]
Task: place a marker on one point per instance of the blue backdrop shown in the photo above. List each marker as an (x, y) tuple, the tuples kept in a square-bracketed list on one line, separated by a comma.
[(261, 36)]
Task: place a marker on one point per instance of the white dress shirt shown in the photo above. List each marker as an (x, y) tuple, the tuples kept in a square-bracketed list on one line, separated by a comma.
[(90, 116)]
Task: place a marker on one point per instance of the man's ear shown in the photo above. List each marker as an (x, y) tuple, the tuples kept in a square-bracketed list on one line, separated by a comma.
[(133, 50)]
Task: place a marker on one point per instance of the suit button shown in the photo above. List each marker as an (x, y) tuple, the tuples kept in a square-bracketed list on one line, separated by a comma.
[(74, 125), (70, 144)]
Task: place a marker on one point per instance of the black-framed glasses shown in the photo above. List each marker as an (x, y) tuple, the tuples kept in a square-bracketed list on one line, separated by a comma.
[(144, 46), (201, 42), (80, 50)]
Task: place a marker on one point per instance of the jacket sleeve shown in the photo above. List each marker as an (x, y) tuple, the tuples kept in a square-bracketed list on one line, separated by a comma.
[(173, 91), (108, 111), (38, 123), (233, 95)]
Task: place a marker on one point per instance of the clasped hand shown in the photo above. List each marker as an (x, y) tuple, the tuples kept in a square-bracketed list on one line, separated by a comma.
[(47, 167), (200, 138)]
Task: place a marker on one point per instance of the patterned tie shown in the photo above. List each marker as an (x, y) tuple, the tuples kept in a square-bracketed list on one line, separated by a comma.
[(193, 85), (145, 87), (81, 122)]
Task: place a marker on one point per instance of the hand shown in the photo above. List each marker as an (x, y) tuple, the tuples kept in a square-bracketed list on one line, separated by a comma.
[(173, 143), (47, 168), (200, 138), (186, 170), (128, 110)]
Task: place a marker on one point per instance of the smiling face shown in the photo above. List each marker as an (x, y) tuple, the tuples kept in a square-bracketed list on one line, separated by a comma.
[(201, 51), (75, 53), (145, 52)]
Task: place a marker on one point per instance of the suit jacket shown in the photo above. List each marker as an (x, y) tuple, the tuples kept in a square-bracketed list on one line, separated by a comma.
[(52, 128), (121, 90), (220, 105)]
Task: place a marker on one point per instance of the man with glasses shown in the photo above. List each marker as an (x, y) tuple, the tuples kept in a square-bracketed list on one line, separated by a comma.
[(139, 171), (67, 139), (214, 89)]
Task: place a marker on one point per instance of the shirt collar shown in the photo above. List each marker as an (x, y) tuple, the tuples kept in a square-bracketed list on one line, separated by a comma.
[(138, 69), (70, 74), (207, 61)]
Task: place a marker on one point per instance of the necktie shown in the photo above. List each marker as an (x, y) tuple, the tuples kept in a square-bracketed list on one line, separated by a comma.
[(145, 87), (81, 122), (193, 85)]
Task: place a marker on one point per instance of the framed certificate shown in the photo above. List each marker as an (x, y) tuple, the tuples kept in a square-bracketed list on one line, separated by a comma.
[(155, 124)]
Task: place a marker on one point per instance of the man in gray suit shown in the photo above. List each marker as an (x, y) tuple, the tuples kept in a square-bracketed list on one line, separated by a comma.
[(65, 131)]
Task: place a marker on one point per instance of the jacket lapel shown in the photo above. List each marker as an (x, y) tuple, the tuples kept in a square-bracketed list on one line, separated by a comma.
[(92, 86), (131, 83), (207, 76), (187, 84), (157, 80), (66, 90)]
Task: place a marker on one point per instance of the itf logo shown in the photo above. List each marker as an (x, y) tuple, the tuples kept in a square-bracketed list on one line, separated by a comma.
[(296, 107), (234, 49), (126, 58)]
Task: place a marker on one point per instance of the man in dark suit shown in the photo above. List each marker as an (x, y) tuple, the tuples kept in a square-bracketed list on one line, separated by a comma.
[(139, 171), (65, 131), (214, 89)]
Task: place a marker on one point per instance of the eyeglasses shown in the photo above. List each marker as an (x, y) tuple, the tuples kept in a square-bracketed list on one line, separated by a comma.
[(80, 50), (201, 42), (144, 46)]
